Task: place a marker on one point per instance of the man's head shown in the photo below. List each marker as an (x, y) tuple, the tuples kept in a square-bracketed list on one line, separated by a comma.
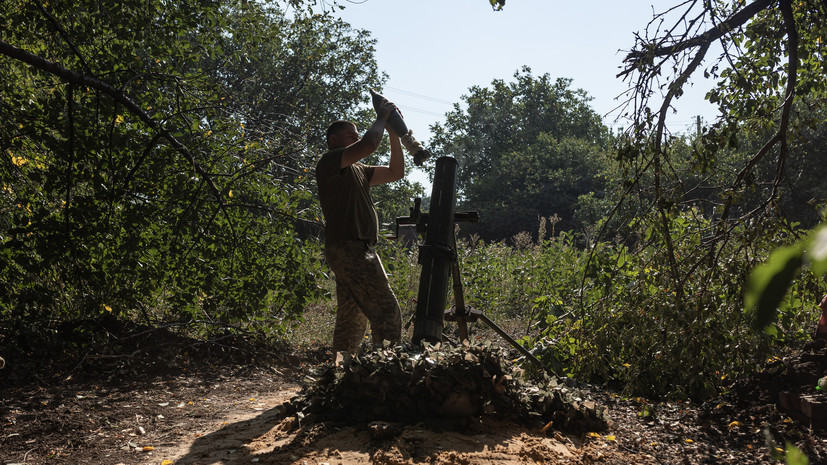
[(341, 133)]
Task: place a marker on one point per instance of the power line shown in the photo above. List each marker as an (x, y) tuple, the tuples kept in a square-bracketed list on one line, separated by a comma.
[(419, 110), (420, 96)]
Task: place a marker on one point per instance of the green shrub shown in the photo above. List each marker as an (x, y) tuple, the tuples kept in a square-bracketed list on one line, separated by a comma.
[(616, 315)]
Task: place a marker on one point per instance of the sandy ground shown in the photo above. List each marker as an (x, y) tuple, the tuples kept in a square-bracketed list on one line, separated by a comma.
[(264, 435)]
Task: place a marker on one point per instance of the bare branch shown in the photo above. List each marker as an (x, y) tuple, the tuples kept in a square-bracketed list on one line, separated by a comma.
[(637, 58), (783, 125), (674, 89)]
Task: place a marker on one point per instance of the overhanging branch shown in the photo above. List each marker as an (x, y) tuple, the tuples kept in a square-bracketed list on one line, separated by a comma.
[(780, 136), (87, 81), (636, 58)]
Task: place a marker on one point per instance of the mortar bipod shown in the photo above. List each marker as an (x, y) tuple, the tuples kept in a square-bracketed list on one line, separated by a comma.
[(462, 314)]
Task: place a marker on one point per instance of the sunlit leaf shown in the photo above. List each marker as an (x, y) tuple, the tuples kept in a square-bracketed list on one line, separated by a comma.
[(795, 456), (817, 253), (768, 283)]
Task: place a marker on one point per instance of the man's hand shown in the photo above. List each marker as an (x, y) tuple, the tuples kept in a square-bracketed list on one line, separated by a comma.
[(382, 105), (395, 169), (384, 111), (373, 136)]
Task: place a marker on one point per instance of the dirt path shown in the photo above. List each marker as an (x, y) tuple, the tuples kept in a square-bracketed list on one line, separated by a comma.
[(268, 439), (253, 429), (229, 415), (234, 418)]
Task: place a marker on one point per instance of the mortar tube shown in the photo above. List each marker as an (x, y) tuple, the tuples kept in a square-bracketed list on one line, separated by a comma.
[(435, 254)]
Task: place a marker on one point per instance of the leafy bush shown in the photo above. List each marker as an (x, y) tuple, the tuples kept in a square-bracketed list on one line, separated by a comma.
[(612, 314), (154, 158)]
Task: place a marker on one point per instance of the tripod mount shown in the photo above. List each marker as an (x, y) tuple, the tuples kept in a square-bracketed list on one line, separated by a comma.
[(439, 259)]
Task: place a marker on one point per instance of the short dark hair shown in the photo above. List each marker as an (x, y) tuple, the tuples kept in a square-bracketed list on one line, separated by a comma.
[(337, 126)]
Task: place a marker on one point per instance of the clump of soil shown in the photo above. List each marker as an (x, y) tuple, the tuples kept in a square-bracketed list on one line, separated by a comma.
[(408, 384)]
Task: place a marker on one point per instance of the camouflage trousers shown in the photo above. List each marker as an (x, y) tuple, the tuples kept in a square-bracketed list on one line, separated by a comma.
[(362, 294)]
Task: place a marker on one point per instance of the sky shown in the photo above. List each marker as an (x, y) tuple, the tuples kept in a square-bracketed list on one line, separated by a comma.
[(433, 51)]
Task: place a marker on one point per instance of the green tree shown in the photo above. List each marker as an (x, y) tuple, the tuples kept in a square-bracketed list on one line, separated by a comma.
[(155, 159), (525, 149), (770, 87), (706, 210)]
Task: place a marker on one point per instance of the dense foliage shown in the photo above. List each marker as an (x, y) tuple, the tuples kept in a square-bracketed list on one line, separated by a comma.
[(155, 160), (770, 90), (608, 315)]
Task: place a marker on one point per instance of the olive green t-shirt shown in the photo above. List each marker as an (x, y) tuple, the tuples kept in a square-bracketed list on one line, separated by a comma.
[(345, 197)]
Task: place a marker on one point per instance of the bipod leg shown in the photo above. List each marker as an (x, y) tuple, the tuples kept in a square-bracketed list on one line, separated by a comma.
[(514, 343), (462, 315), (459, 298)]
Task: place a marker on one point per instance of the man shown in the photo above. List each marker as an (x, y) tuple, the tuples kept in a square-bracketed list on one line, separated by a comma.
[(352, 229)]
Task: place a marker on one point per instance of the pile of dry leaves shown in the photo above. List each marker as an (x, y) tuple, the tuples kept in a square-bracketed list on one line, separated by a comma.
[(407, 384)]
